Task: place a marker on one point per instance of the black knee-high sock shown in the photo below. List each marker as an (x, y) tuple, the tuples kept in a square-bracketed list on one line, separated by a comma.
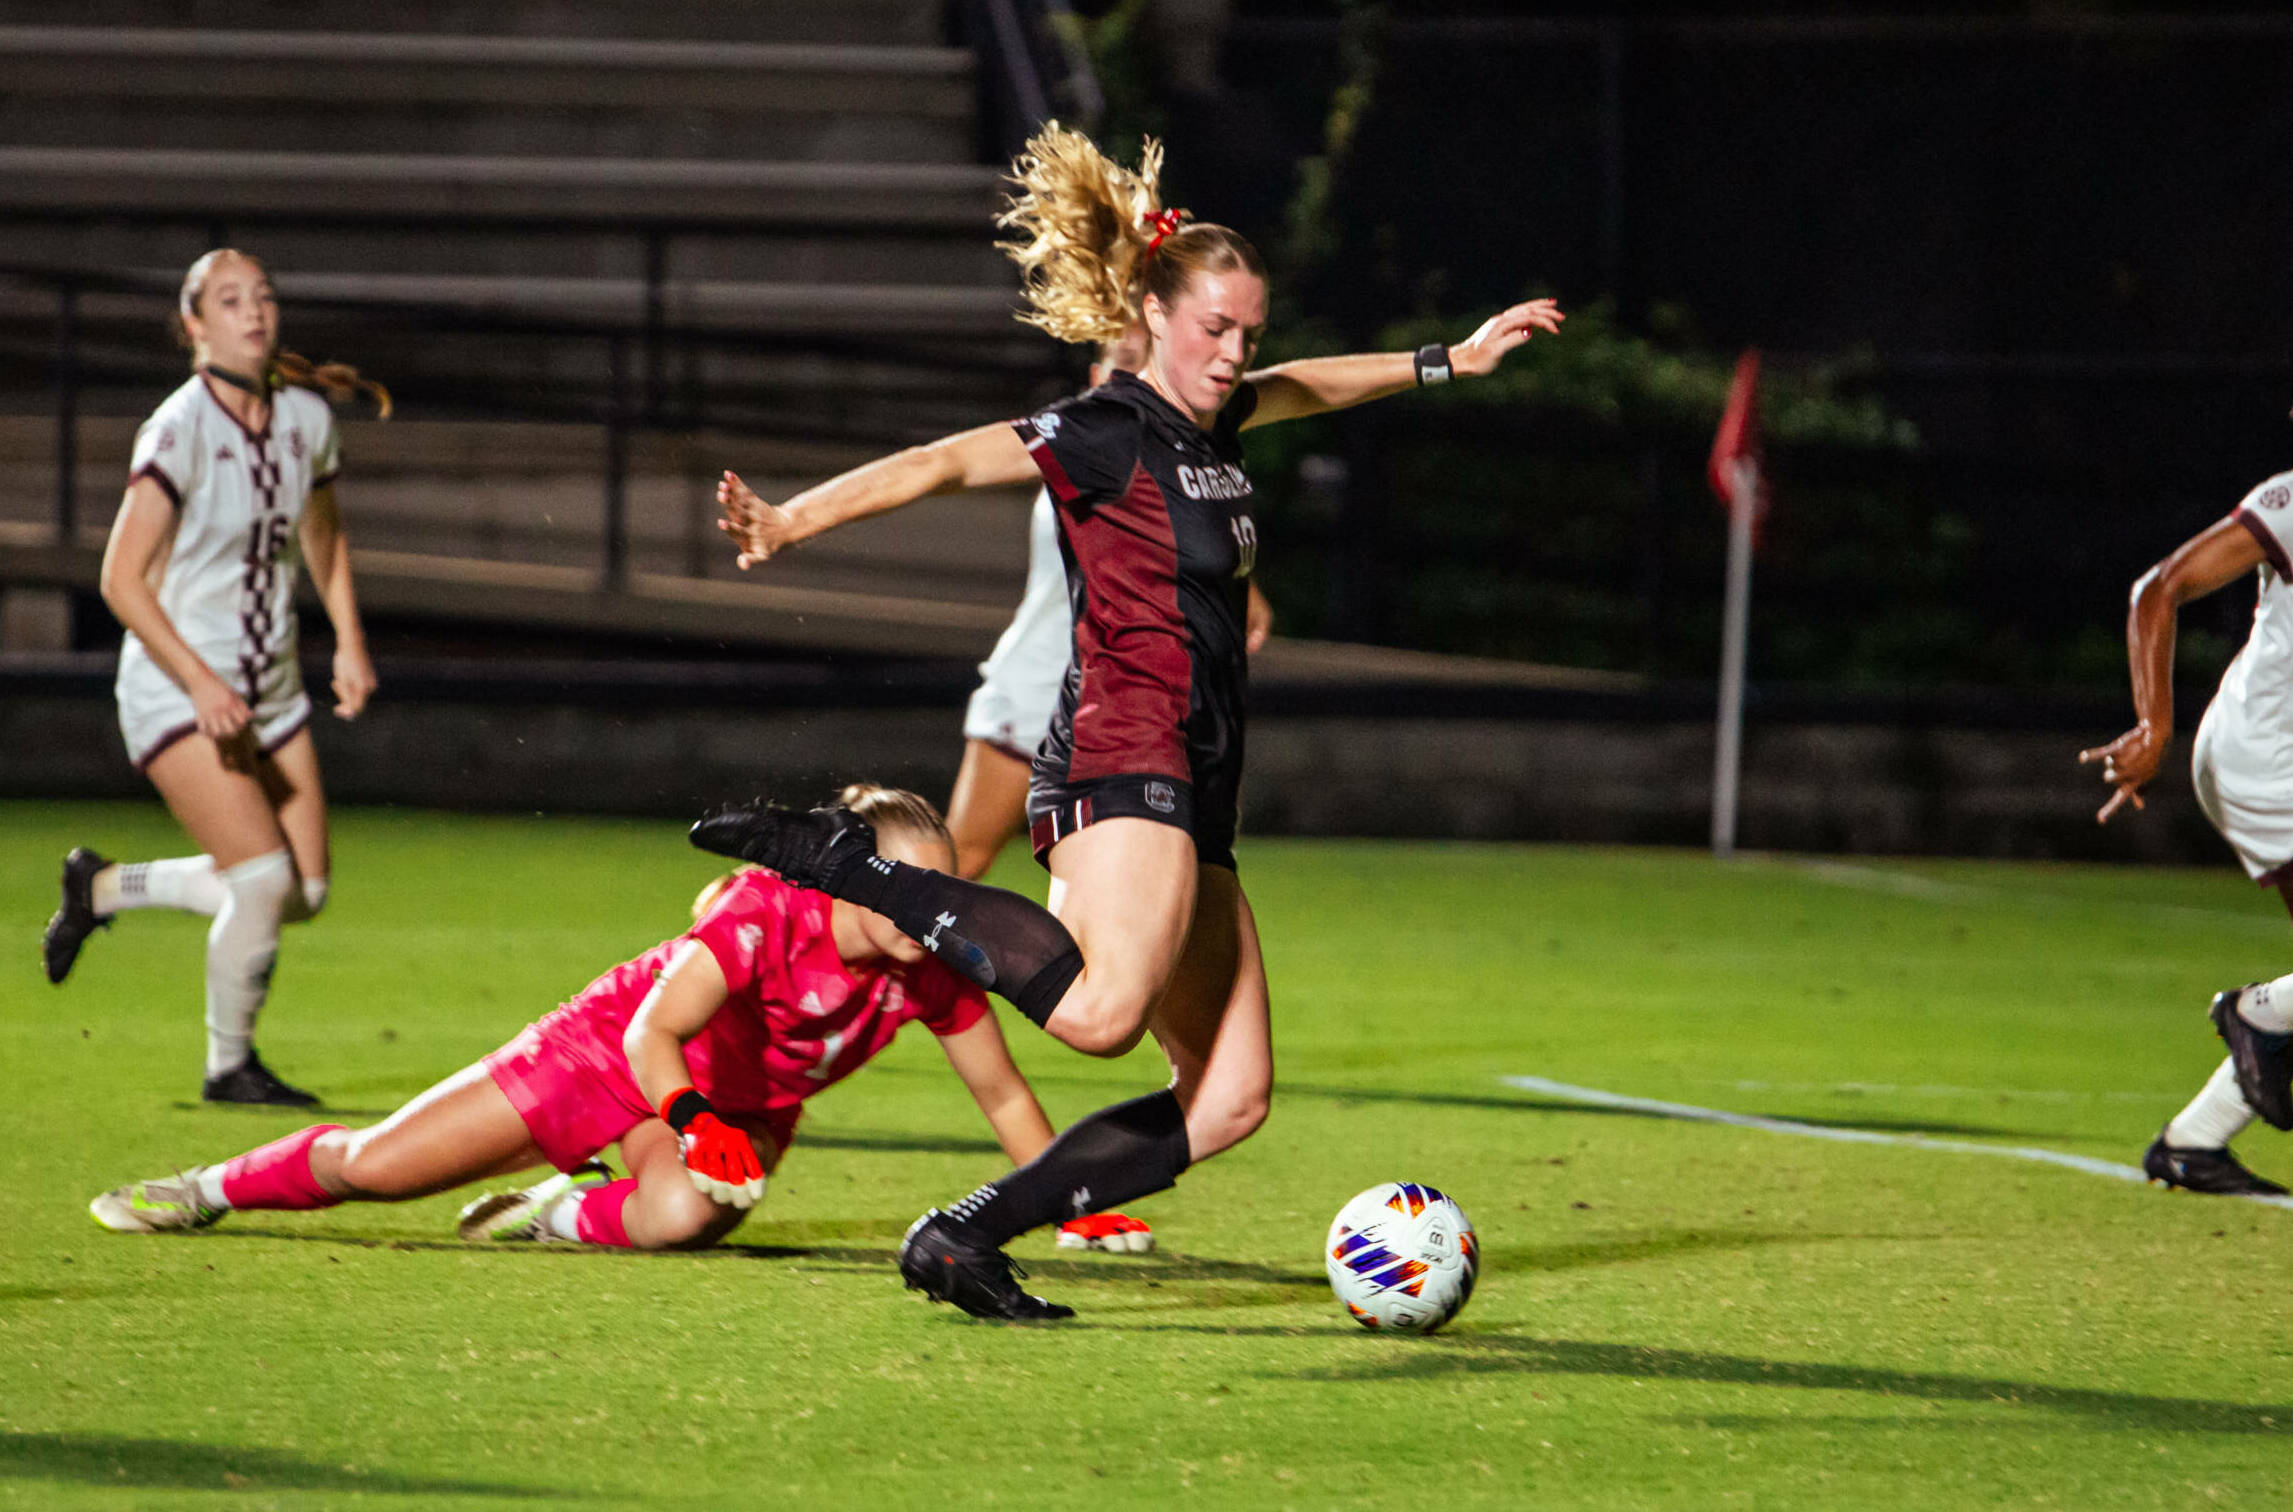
[(1116, 1155), (1004, 942)]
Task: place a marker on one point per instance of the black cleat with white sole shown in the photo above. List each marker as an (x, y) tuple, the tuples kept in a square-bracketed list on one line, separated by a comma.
[(2215, 1171), (2264, 1061), (251, 1082), (814, 849), (939, 1260), (76, 918)]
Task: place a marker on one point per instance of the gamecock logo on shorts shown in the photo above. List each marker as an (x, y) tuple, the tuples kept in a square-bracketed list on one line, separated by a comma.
[(1161, 797)]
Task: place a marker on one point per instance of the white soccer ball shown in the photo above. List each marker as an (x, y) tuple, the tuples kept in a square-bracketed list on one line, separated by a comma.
[(1402, 1258)]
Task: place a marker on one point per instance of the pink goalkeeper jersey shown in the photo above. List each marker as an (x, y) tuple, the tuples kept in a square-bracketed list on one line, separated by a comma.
[(795, 1019)]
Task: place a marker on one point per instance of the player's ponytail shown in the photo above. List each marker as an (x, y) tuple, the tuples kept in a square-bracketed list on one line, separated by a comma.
[(336, 382), (1094, 237)]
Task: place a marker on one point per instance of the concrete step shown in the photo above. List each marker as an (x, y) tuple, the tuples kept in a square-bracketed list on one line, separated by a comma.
[(875, 22), (533, 495), (377, 92), (953, 255), (820, 309), (392, 187)]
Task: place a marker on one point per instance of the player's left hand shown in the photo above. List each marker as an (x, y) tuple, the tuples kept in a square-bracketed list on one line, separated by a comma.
[(722, 1162), (2127, 763), (758, 528), (1480, 352), (1257, 620), (354, 681)]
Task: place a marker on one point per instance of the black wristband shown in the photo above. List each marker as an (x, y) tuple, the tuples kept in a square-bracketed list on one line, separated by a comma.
[(1432, 363), (683, 1108)]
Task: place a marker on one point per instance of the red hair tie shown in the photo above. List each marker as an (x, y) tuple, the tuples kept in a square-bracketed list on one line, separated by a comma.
[(1165, 223)]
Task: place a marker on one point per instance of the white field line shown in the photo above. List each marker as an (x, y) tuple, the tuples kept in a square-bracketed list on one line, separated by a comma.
[(1900, 884), (1986, 1094), (1594, 1097)]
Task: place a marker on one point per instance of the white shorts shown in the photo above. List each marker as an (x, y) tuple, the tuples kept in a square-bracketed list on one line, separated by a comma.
[(1019, 681), (2246, 789), (154, 713)]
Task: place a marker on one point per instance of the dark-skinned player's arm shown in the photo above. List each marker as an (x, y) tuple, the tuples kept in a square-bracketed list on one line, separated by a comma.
[(719, 1157), (1315, 385), (988, 456), (983, 1060), (2216, 556)]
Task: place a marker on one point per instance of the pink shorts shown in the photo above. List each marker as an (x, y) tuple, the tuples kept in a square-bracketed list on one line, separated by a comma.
[(572, 1112)]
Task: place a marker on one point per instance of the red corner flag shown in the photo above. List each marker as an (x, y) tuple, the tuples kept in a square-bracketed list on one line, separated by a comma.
[(1735, 464)]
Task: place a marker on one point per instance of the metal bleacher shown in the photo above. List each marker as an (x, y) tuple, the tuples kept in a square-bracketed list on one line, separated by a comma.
[(600, 249)]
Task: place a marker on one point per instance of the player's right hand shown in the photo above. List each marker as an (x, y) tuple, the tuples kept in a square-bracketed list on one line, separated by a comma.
[(218, 712), (758, 528), (2128, 763), (722, 1162)]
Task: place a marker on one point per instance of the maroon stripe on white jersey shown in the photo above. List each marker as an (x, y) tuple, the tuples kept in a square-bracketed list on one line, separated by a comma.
[(2271, 547)]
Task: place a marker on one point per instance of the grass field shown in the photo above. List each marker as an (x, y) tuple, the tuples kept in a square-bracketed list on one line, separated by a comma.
[(1672, 1314)]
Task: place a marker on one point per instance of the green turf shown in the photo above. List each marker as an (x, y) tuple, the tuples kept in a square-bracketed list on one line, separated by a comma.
[(1672, 1315)]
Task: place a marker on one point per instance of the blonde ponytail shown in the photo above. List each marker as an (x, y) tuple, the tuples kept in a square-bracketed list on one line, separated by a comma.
[(1095, 238), (1083, 236)]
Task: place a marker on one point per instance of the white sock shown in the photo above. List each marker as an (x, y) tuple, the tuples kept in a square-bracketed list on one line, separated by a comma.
[(563, 1217), (242, 947), (210, 1185), (2215, 1116), (186, 882), (2269, 1007)]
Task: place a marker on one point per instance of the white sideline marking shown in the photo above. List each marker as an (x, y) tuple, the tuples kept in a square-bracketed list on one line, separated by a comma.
[(1900, 884), (1594, 1097)]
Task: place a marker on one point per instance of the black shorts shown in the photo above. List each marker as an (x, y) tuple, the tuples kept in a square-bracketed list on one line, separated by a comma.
[(1208, 811)]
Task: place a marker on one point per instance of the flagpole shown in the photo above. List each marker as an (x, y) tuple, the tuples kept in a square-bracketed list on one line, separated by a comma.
[(1743, 490)]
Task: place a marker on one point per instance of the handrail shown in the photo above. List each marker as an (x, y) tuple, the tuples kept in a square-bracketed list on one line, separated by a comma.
[(1033, 67)]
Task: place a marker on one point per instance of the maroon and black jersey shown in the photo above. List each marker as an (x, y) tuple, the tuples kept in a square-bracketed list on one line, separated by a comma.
[(1155, 529)]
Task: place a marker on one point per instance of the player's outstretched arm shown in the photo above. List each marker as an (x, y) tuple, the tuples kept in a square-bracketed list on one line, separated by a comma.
[(326, 554), (2215, 556), (980, 458), (1313, 385), (981, 1058), (718, 1157)]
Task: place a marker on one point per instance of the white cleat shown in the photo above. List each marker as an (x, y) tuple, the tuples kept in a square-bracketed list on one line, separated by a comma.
[(157, 1206), (523, 1217)]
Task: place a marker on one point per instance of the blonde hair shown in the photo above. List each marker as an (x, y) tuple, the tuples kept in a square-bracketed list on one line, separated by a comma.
[(337, 382), (894, 809), (1089, 249)]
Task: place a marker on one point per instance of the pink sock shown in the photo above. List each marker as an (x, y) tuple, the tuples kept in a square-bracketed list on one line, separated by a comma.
[(278, 1175), (598, 1220)]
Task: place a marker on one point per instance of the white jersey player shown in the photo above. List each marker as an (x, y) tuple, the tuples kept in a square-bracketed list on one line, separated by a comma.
[(1010, 711), (230, 497), (2242, 768)]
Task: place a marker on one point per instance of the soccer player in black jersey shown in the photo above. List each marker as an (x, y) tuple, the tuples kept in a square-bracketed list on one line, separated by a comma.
[(1133, 799)]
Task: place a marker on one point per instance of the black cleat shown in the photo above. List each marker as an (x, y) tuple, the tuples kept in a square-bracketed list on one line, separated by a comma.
[(940, 1261), (72, 923), (2264, 1060), (252, 1082), (811, 850), (2203, 1171)]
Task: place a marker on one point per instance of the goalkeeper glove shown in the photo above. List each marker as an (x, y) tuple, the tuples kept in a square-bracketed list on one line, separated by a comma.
[(717, 1156)]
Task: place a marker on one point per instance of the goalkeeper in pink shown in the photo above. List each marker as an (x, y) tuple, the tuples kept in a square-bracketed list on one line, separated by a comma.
[(696, 1058)]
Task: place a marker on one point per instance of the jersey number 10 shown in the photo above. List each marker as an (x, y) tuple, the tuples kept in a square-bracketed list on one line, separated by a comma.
[(1245, 544)]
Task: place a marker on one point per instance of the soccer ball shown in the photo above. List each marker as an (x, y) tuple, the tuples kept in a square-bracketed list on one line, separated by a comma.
[(1402, 1258)]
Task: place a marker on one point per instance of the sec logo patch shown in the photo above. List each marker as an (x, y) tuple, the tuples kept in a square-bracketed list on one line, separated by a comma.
[(2275, 497)]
